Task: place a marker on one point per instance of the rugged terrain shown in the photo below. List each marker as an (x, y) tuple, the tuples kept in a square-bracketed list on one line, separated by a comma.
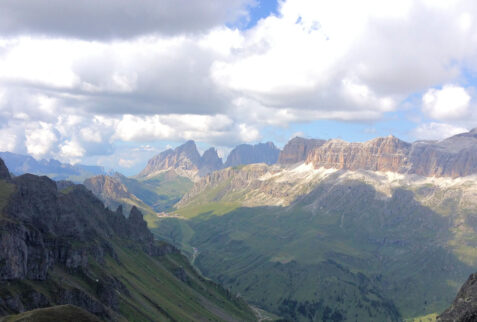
[(304, 240), (64, 247)]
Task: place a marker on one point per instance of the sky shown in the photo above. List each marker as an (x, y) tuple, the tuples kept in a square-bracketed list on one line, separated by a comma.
[(115, 82)]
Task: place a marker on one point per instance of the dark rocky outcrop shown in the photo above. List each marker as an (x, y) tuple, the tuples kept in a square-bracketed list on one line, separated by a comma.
[(42, 228), (248, 154), (4, 173), (297, 149), (464, 307)]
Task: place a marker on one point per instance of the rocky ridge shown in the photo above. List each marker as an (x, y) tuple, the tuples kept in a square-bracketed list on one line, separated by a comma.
[(248, 154), (297, 149), (185, 159), (453, 157), (464, 307), (52, 239)]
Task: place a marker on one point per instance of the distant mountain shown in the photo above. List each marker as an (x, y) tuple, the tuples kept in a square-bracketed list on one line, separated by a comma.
[(114, 194), (248, 154), (185, 160), (64, 247), (297, 149), (20, 164), (452, 157), (380, 154)]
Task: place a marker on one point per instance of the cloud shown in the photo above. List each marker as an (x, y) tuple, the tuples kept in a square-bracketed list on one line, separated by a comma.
[(450, 102), (40, 139), (436, 131), (91, 87), (116, 19), (213, 129)]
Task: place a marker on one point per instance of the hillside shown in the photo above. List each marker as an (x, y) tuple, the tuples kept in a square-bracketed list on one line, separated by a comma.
[(65, 247), (292, 236)]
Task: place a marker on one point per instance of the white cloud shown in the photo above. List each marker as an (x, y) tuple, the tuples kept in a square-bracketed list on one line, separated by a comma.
[(450, 102), (126, 163), (436, 131), (71, 151), (341, 60), (40, 139)]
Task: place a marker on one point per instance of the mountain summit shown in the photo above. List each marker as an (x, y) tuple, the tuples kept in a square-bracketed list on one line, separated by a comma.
[(185, 159)]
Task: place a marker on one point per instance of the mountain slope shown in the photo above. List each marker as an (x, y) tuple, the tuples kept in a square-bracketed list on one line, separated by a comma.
[(412, 237), (20, 164), (65, 247)]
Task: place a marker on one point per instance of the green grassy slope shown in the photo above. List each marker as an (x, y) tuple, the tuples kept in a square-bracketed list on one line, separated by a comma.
[(160, 192), (339, 247), (63, 313)]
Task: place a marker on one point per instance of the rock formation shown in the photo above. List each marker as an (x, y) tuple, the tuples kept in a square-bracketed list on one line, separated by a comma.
[(185, 159), (464, 307), (248, 154), (210, 162), (297, 149), (381, 154)]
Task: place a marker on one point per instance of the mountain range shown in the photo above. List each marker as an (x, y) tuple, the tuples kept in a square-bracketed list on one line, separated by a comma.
[(20, 164), (323, 230)]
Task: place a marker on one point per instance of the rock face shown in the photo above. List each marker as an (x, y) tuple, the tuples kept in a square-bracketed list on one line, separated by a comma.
[(297, 149), (107, 187), (43, 228), (452, 157), (4, 173), (210, 162), (381, 154), (248, 154), (184, 158), (464, 307)]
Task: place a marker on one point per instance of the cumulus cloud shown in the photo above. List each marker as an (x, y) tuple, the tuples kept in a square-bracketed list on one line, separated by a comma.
[(436, 131), (450, 102), (112, 19), (88, 87)]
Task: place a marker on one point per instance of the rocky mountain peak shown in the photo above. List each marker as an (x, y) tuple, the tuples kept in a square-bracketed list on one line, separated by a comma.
[(210, 161), (247, 154), (297, 149), (106, 185), (185, 157), (4, 173)]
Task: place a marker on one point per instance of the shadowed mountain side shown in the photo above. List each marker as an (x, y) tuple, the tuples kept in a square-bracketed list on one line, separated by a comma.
[(65, 247), (401, 248), (248, 154)]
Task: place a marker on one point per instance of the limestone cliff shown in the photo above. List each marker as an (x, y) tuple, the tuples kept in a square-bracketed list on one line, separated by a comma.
[(297, 149)]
